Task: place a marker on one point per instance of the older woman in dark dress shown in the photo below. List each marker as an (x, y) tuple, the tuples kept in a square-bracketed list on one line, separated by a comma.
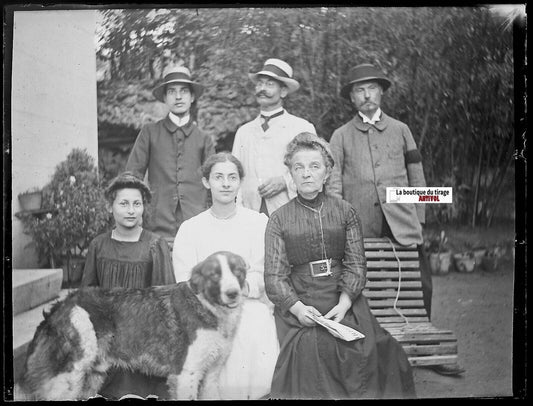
[(314, 226)]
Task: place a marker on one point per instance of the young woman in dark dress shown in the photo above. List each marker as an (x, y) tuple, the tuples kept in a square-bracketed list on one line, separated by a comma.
[(313, 364), (129, 257)]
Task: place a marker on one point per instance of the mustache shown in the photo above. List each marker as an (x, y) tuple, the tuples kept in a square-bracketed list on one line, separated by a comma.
[(262, 93)]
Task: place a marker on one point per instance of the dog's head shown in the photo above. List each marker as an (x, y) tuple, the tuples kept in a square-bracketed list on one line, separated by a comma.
[(220, 278)]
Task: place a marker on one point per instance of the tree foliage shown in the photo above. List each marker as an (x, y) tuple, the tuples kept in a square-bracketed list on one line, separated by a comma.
[(452, 73)]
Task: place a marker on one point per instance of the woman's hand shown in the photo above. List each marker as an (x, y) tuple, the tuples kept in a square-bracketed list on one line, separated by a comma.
[(303, 313), (338, 312)]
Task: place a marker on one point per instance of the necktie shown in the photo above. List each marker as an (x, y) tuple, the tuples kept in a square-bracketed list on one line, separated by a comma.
[(264, 126)]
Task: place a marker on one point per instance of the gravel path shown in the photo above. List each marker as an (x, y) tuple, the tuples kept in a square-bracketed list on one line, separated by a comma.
[(478, 307)]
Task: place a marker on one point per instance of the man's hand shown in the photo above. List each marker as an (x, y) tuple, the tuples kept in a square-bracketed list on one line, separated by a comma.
[(303, 313), (271, 187)]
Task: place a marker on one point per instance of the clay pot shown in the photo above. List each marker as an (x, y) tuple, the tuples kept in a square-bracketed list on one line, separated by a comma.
[(440, 262), (490, 263), (478, 256), (464, 262), (30, 201), (72, 271)]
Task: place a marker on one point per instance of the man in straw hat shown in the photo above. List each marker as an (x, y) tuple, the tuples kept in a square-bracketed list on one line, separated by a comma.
[(173, 150), (260, 144), (373, 151)]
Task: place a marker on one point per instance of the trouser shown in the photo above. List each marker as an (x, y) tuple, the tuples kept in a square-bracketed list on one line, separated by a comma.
[(425, 271)]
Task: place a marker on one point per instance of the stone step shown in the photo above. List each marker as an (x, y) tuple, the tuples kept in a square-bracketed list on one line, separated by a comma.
[(24, 326), (33, 287)]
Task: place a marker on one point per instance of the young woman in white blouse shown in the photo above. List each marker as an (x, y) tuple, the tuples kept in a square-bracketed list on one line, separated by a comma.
[(226, 226)]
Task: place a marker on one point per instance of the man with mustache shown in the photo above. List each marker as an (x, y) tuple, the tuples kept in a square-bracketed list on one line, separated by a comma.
[(173, 150), (374, 151), (260, 144)]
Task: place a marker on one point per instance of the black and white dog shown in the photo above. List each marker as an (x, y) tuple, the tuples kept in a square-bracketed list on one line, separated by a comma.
[(183, 332)]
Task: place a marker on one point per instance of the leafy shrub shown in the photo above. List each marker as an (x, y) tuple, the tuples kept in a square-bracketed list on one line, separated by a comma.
[(75, 211)]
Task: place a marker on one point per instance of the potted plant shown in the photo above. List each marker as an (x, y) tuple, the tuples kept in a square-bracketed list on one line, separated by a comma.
[(491, 259), (76, 214), (31, 199), (464, 261), (439, 254), (479, 253)]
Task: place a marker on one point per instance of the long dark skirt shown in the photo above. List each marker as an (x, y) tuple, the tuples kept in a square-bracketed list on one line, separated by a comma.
[(313, 364), (122, 382)]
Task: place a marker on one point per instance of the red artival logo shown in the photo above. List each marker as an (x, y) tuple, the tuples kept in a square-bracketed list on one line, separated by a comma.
[(428, 199)]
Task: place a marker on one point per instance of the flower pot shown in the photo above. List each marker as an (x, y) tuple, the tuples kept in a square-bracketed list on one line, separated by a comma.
[(30, 201), (72, 271), (489, 263), (478, 256), (464, 262), (440, 262)]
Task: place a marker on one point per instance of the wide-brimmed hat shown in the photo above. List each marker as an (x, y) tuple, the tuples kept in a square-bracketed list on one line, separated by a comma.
[(177, 74), (279, 70), (362, 73)]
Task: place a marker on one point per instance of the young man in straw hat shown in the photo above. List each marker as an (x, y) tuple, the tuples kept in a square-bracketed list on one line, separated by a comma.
[(260, 144), (373, 151), (172, 150)]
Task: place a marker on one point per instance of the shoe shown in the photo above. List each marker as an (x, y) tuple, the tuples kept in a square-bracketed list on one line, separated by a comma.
[(131, 396), (448, 369)]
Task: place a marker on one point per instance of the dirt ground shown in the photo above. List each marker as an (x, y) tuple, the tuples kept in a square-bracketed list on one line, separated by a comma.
[(478, 307)]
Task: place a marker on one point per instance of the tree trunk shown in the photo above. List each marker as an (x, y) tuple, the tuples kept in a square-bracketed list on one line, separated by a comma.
[(496, 196), (476, 194)]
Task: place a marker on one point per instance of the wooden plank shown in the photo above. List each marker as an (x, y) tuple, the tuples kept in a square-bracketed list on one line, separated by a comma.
[(407, 294), (393, 284), (392, 275), (392, 264), (423, 338), (371, 255), (413, 326), (386, 320), (382, 245), (379, 304), (433, 349), (432, 360), (375, 239), (405, 312), (419, 333)]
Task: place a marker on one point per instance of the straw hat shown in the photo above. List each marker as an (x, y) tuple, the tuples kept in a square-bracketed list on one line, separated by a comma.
[(279, 70)]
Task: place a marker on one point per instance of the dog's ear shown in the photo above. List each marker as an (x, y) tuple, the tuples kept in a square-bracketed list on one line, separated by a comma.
[(197, 277), (240, 267)]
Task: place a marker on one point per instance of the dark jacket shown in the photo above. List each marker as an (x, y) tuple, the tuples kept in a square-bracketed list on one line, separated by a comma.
[(368, 158), (173, 156)]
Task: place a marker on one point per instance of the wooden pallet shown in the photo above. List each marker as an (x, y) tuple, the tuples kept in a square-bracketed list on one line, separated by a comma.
[(409, 324)]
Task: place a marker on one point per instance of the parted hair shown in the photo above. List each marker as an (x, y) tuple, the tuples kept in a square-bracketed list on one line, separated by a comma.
[(127, 180), (221, 157), (307, 140)]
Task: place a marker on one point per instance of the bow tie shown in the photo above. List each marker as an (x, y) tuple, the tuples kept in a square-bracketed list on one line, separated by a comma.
[(264, 126)]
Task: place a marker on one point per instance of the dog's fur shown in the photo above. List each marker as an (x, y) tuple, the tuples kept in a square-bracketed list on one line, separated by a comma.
[(183, 332)]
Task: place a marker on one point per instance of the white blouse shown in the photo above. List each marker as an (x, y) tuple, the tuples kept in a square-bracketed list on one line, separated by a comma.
[(242, 234)]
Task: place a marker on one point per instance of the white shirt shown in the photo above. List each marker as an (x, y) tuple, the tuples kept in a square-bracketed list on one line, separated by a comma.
[(203, 235), (374, 118), (247, 373), (261, 154), (180, 122)]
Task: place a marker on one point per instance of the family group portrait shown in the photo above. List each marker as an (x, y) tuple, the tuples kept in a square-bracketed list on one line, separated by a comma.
[(200, 202)]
